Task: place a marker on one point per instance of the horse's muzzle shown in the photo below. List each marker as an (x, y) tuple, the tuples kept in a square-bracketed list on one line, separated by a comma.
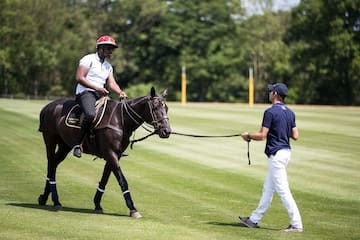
[(164, 132)]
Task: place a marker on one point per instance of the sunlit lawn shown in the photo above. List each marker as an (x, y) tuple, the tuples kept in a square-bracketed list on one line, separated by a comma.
[(185, 188)]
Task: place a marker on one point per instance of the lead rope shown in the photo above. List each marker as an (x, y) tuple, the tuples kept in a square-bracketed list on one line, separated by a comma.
[(140, 139), (198, 136), (248, 151)]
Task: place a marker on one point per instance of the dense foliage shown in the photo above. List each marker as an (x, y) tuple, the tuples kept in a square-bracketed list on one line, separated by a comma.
[(314, 48), (325, 40)]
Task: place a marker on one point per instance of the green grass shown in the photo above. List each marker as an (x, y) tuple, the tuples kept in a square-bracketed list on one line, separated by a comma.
[(185, 188)]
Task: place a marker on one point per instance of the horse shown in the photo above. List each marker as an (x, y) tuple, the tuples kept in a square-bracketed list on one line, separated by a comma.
[(108, 140)]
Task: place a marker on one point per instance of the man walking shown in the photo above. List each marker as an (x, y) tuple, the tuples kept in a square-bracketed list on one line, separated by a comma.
[(278, 126)]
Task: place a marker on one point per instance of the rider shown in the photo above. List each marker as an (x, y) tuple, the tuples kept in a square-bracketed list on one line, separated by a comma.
[(92, 74)]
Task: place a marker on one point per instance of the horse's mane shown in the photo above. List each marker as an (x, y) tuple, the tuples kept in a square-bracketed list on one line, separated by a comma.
[(138, 100)]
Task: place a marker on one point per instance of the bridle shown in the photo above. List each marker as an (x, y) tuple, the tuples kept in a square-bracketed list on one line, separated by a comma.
[(155, 121), (136, 118)]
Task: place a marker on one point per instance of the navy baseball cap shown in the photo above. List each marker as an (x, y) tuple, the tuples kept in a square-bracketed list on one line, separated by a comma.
[(280, 88)]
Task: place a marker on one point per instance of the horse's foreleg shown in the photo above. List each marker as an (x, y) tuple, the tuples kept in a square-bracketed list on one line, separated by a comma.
[(101, 188), (125, 190)]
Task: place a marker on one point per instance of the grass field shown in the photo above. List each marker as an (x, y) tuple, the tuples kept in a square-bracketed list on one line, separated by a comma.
[(185, 188)]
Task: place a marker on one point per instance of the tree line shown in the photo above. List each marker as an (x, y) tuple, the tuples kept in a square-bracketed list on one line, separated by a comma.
[(314, 48)]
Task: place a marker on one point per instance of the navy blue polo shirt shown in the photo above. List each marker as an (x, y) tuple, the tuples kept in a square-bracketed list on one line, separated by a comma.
[(280, 121)]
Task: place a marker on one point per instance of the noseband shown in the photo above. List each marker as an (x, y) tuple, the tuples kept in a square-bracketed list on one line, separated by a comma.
[(155, 121)]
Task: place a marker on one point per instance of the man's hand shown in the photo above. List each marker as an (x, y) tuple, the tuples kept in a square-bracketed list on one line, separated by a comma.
[(103, 91), (122, 95), (246, 136)]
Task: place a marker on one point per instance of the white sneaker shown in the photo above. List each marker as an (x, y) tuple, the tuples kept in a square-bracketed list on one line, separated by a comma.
[(291, 228)]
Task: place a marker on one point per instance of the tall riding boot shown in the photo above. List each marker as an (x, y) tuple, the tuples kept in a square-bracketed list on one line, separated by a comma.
[(78, 148)]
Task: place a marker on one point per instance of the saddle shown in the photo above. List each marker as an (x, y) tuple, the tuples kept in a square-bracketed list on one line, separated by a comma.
[(75, 115)]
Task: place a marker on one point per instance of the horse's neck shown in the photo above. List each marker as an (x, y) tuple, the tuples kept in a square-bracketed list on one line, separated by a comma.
[(127, 116), (132, 113)]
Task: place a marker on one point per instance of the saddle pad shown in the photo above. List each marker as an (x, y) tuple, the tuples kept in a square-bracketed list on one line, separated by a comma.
[(75, 115)]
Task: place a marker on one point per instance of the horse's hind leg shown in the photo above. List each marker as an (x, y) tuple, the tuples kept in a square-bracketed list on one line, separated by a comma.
[(54, 159), (101, 188), (50, 154)]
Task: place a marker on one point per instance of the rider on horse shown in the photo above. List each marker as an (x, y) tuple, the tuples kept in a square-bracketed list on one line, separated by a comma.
[(92, 74)]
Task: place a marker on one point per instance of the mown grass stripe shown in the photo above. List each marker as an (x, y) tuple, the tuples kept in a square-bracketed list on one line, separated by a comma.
[(185, 188)]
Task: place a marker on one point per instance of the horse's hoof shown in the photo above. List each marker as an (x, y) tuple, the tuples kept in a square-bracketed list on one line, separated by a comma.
[(135, 214), (124, 154), (99, 211), (57, 207), (42, 200)]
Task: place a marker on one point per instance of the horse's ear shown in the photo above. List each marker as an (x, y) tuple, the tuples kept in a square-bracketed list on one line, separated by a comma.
[(152, 92), (165, 93)]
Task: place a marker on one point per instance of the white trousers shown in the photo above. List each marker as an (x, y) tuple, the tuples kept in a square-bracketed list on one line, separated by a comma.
[(276, 180)]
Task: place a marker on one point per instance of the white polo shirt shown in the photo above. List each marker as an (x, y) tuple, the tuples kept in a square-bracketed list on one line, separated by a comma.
[(98, 72)]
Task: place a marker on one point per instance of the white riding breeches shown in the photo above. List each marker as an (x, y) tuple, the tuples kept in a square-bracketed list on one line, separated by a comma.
[(276, 180)]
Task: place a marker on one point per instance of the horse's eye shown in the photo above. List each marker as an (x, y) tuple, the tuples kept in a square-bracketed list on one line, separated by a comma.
[(156, 103)]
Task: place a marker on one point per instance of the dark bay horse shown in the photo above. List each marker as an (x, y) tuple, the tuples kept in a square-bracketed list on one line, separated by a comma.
[(109, 140)]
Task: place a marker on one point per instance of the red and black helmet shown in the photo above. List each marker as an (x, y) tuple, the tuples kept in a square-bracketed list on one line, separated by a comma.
[(106, 40)]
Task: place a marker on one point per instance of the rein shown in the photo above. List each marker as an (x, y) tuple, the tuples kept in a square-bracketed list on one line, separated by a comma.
[(197, 136), (131, 113)]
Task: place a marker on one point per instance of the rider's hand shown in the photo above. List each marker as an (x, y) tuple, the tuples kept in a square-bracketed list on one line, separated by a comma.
[(122, 95), (103, 91)]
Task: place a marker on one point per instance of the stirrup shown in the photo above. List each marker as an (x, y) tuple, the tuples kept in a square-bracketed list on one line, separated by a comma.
[(77, 151)]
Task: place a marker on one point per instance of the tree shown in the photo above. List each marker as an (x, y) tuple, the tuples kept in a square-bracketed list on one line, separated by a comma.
[(324, 37), (215, 40), (263, 49), (198, 35), (31, 45), (133, 22)]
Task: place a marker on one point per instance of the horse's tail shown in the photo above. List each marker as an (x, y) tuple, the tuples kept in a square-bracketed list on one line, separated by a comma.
[(41, 118), (47, 113), (42, 115)]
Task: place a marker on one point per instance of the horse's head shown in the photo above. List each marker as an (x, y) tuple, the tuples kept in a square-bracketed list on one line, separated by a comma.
[(158, 113)]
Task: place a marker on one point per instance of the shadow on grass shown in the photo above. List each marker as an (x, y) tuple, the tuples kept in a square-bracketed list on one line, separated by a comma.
[(234, 224), (64, 209)]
